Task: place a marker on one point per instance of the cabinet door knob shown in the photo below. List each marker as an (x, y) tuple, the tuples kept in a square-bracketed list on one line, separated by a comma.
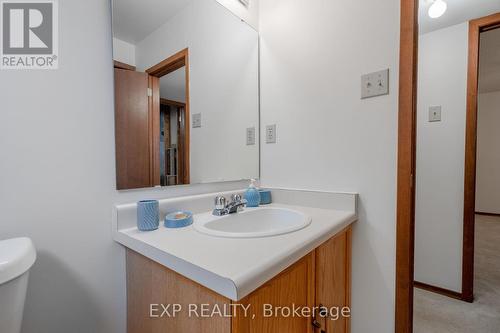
[(316, 323)]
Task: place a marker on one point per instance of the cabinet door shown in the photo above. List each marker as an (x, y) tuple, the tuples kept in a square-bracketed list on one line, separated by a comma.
[(333, 280), (293, 286), (151, 283)]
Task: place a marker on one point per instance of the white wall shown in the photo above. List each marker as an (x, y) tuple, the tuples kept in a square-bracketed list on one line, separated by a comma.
[(123, 52), (57, 178), (442, 79), (312, 58), (488, 153), (249, 14), (173, 85), (223, 70)]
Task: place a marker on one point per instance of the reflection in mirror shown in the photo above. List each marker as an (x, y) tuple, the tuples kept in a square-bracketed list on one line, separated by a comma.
[(457, 208), (173, 158), (186, 93)]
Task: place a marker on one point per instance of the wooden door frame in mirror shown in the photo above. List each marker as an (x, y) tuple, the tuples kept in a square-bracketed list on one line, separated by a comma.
[(172, 63)]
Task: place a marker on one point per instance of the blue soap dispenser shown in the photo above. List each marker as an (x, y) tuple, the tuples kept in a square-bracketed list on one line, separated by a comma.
[(252, 195)]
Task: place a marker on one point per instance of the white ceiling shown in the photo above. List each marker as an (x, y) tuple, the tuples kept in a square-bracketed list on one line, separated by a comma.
[(489, 61), (133, 20), (459, 11)]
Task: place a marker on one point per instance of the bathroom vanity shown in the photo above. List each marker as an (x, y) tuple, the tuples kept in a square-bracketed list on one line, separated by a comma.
[(190, 280), (187, 112)]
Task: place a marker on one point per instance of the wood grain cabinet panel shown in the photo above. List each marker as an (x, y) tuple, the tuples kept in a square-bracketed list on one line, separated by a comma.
[(151, 283), (320, 277), (293, 287), (333, 280)]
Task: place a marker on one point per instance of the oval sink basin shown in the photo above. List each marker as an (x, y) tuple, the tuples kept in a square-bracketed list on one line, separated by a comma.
[(253, 222)]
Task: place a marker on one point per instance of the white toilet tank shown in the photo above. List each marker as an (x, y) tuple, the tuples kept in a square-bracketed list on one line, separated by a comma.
[(17, 255)]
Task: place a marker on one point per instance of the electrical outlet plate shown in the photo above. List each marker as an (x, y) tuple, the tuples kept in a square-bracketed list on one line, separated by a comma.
[(250, 136), (375, 84), (271, 133), (196, 120), (434, 113)]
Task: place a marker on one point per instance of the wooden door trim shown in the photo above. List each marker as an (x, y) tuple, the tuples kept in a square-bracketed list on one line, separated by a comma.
[(154, 130), (172, 63), (164, 101), (187, 140), (405, 211), (488, 214), (438, 290), (475, 28), (122, 65)]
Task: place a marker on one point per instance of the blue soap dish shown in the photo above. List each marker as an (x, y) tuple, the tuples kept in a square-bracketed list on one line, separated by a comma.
[(179, 219)]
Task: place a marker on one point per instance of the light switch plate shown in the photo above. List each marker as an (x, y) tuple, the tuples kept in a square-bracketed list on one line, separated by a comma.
[(196, 120), (435, 113), (250, 136), (271, 133), (375, 84)]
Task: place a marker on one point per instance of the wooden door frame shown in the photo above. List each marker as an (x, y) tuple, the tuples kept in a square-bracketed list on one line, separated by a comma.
[(122, 65), (164, 101), (172, 63), (405, 201), (405, 211), (475, 28)]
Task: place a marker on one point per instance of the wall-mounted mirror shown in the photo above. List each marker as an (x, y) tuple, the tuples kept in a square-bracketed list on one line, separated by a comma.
[(186, 93)]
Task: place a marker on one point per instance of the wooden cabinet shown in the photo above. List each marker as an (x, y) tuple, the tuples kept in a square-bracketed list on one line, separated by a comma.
[(293, 287), (322, 277), (333, 281)]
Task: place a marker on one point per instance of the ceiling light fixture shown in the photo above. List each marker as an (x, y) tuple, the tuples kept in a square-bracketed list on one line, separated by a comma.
[(437, 9)]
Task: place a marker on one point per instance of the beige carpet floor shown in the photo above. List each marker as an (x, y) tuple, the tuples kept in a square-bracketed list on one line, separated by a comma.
[(434, 313)]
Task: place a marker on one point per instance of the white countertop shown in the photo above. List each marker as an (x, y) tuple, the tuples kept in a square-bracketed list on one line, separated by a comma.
[(234, 267)]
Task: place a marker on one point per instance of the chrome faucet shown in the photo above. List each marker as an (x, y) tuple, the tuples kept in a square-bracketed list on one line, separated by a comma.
[(223, 208)]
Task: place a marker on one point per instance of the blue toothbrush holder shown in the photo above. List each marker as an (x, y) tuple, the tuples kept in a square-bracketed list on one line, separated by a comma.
[(148, 215)]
